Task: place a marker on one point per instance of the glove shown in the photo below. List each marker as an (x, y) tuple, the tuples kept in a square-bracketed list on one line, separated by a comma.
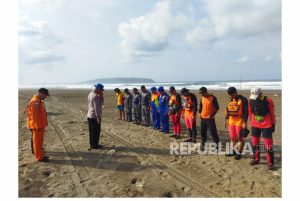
[(273, 128)]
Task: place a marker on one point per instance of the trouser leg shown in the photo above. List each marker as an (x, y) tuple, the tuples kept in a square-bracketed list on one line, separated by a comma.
[(38, 139), (194, 128), (256, 132), (213, 130), (268, 143), (203, 130)]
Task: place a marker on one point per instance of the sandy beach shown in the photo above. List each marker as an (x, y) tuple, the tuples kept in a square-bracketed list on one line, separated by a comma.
[(135, 160)]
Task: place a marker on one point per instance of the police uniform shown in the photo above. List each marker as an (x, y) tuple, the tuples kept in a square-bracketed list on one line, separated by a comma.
[(163, 102), (137, 107), (146, 98), (128, 107)]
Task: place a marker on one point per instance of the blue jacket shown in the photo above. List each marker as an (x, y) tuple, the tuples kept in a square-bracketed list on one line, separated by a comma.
[(163, 103)]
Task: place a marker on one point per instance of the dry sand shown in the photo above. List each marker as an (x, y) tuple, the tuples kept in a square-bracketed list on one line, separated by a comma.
[(136, 160)]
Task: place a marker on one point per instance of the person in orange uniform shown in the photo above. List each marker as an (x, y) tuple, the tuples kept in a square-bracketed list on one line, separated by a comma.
[(189, 113), (175, 112), (262, 118), (236, 116), (208, 108), (37, 122), (120, 103)]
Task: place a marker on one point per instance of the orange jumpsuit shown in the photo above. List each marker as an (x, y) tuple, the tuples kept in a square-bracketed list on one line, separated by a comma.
[(37, 122)]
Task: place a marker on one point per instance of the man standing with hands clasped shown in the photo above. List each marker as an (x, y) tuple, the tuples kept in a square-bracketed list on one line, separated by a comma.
[(94, 115), (37, 123)]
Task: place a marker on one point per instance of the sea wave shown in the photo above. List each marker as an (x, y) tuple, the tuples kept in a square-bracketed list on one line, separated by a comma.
[(211, 85)]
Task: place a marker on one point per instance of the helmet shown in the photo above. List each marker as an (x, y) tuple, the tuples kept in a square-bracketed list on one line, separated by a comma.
[(231, 90), (184, 90), (172, 88), (160, 89)]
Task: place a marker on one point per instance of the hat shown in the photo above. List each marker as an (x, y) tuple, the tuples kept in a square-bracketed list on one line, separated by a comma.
[(153, 89), (231, 90), (99, 86), (184, 90), (172, 88), (255, 92), (160, 89), (44, 91), (203, 90)]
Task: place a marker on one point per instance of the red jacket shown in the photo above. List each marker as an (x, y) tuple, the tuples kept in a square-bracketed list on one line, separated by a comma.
[(269, 119)]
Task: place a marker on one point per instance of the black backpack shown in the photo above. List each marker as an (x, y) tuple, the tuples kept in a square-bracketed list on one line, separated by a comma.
[(260, 107)]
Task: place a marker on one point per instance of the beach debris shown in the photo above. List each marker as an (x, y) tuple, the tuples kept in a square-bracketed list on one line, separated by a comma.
[(25, 175), (276, 173), (134, 180), (138, 184), (46, 173), (111, 152), (167, 194)]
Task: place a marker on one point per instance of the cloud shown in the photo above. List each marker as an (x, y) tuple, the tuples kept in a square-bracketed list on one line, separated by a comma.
[(244, 59), (37, 43), (236, 18), (146, 35)]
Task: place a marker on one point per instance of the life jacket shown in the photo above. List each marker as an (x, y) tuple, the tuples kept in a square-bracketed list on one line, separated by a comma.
[(154, 99), (187, 103), (260, 107), (233, 108), (173, 104)]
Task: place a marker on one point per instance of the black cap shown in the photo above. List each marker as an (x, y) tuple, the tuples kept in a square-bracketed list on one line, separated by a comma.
[(44, 91), (172, 88), (203, 90), (184, 90), (231, 90)]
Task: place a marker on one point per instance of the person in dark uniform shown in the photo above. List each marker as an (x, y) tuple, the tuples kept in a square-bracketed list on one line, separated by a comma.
[(146, 100), (128, 105)]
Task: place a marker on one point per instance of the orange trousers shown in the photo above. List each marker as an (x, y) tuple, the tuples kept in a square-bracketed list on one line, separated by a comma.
[(38, 140)]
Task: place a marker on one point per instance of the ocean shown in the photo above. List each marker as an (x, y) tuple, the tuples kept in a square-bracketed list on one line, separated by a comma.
[(210, 85)]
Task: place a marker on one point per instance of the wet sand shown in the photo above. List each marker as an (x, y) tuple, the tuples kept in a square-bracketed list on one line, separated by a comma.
[(135, 160)]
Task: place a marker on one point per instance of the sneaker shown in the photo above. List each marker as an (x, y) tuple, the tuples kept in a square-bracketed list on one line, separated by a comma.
[(45, 160), (271, 167), (254, 162), (229, 154)]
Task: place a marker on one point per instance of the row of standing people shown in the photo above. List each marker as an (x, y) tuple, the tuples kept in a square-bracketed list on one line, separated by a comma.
[(260, 110)]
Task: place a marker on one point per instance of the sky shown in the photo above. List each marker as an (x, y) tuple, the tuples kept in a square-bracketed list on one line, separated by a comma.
[(63, 41)]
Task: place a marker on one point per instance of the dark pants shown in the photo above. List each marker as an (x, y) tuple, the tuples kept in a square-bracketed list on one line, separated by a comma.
[(210, 124), (94, 131), (165, 122), (128, 111), (31, 143)]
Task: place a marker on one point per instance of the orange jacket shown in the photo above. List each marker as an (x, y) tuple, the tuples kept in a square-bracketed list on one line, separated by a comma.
[(234, 112), (209, 106), (36, 114)]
